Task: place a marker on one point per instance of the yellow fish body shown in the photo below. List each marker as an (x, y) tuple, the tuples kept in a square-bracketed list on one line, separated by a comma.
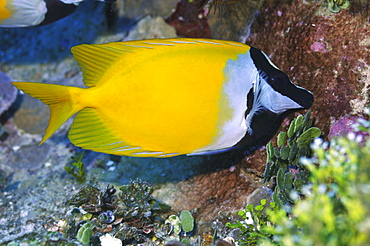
[(166, 97)]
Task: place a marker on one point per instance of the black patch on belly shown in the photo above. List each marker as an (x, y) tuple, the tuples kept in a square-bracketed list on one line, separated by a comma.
[(264, 125)]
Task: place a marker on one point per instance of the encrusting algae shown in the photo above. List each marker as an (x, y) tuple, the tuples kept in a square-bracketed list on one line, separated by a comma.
[(168, 97)]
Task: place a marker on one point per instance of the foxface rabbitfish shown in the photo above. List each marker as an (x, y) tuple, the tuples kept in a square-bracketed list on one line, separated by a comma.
[(168, 97)]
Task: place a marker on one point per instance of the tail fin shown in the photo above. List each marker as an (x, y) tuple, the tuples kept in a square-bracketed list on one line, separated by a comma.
[(57, 97)]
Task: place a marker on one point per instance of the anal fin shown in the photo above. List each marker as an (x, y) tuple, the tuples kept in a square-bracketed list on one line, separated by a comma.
[(89, 131)]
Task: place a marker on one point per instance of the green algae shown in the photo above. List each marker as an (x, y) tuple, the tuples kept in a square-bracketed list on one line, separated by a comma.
[(84, 233), (77, 168), (187, 221)]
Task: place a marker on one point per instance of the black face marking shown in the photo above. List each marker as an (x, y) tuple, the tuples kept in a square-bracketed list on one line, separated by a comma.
[(279, 81), (265, 123), (250, 99)]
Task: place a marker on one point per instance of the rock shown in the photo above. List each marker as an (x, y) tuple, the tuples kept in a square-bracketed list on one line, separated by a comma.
[(108, 240), (232, 21), (32, 116), (137, 9), (34, 208), (221, 242), (151, 27), (189, 20), (262, 192), (214, 195), (175, 243), (8, 93), (30, 157), (342, 126)]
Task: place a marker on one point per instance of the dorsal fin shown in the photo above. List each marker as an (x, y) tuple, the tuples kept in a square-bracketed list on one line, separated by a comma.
[(95, 61), (98, 60)]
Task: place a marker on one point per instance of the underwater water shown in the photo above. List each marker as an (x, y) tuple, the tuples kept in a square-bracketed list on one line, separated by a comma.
[(50, 43), (306, 41)]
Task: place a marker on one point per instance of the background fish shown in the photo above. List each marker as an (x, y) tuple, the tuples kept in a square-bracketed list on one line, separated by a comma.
[(22, 13), (168, 97)]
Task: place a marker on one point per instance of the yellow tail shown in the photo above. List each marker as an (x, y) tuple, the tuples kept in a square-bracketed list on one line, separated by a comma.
[(57, 97)]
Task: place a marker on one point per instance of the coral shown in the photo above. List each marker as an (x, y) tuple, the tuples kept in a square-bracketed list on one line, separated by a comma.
[(286, 33), (175, 223), (130, 215), (136, 201), (107, 217)]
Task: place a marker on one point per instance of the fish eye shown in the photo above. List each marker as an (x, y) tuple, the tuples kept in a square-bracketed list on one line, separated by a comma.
[(278, 79)]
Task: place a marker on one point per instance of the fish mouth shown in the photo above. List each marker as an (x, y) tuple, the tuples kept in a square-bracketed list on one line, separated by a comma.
[(305, 99)]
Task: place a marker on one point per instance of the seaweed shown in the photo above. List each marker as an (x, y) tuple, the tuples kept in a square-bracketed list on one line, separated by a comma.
[(283, 160), (335, 208), (77, 168), (336, 6), (253, 224)]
